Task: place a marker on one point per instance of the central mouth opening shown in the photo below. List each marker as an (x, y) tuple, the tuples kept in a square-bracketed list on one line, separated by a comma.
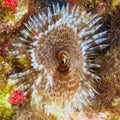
[(63, 60)]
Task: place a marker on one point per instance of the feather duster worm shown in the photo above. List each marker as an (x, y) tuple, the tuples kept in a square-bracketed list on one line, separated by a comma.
[(62, 46)]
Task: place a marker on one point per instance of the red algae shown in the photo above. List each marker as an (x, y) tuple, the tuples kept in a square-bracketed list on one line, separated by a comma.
[(10, 3), (17, 97)]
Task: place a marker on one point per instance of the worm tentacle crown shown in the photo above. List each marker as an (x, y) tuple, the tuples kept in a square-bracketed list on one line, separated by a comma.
[(62, 46)]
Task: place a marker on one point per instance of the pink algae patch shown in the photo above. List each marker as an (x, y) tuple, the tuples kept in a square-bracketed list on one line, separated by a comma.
[(10, 3), (17, 97)]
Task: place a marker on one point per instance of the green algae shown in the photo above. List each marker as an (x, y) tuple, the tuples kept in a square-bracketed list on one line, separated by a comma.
[(23, 61), (115, 117), (5, 108)]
